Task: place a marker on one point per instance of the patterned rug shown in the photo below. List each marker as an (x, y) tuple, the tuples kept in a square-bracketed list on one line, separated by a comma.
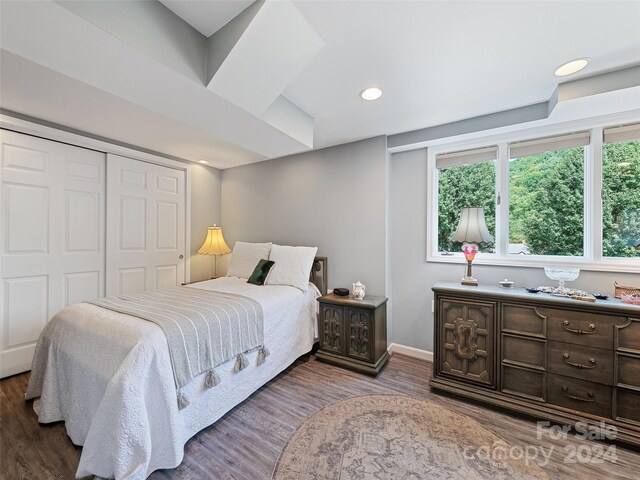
[(397, 437)]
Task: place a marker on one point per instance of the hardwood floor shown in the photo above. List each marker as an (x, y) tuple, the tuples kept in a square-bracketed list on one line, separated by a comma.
[(245, 444)]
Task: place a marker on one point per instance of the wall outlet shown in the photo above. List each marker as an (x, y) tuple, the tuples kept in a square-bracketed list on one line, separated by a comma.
[(433, 306)]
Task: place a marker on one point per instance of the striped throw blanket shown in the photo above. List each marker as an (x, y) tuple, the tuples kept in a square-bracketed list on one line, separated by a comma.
[(204, 329)]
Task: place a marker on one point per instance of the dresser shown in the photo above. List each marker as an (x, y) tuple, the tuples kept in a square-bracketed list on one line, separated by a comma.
[(553, 358), (353, 333)]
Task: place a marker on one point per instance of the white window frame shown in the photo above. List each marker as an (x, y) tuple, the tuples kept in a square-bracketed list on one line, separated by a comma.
[(592, 258)]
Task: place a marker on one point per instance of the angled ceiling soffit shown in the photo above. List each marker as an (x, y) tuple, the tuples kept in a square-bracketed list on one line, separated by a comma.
[(564, 93), (88, 43), (595, 85), (256, 56)]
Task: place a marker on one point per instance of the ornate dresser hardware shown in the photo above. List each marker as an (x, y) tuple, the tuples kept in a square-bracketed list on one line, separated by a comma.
[(566, 356), (592, 328), (544, 356), (353, 333), (591, 397)]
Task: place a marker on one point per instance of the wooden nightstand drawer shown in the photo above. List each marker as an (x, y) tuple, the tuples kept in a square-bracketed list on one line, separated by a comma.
[(588, 363), (588, 397)]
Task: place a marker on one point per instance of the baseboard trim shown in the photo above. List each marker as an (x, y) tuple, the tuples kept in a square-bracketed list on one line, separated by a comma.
[(411, 351)]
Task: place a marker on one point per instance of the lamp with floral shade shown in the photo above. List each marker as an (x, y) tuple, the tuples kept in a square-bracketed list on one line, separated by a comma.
[(471, 230)]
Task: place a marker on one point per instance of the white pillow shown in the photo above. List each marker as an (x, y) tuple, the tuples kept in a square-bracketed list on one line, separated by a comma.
[(292, 266), (245, 257)]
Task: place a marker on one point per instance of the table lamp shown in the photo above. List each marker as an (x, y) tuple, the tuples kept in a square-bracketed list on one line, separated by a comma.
[(471, 230), (214, 245)]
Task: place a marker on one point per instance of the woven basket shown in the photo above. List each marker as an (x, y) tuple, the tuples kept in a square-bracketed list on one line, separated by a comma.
[(625, 290)]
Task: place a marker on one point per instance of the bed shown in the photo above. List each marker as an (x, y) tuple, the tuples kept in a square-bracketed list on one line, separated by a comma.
[(108, 376)]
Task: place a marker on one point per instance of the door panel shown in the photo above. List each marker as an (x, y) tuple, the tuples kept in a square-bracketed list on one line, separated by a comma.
[(147, 203), (52, 242), (26, 219), (132, 224), (81, 286), (83, 222), (467, 330), (167, 233), (25, 309)]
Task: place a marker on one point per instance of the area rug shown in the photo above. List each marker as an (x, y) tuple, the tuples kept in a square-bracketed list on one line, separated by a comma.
[(398, 437)]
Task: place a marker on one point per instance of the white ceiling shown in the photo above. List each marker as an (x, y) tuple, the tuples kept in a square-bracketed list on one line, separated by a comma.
[(437, 62), (207, 16)]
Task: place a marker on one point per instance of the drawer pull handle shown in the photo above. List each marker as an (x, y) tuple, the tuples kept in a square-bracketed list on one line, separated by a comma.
[(592, 396), (592, 328), (592, 362)]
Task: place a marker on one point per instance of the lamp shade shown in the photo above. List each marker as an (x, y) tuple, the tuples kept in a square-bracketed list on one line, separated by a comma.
[(472, 227), (214, 244)]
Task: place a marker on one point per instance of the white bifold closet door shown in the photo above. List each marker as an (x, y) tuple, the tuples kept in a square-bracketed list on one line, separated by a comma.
[(52, 240), (146, 233)]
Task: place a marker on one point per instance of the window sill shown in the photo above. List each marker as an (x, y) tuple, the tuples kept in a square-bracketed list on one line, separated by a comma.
[(623, 265)]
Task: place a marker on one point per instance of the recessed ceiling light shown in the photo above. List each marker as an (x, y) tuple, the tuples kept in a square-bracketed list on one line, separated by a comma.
[(371, 93), (204, 162), (571, 67)]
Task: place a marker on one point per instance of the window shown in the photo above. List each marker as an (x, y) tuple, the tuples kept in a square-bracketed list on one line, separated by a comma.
[(621, 192), (465, 179), (546, 196), (569, 198)]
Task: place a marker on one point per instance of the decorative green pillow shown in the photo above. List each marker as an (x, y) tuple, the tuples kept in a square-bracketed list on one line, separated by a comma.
[(259, 275)]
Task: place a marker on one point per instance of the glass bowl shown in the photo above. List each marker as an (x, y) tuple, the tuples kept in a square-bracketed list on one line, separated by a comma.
[(561, 275), (633, 299)]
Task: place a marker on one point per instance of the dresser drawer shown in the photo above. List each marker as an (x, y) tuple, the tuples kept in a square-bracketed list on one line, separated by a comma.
[(588, 397), (581, 327), (524, 320), (627, 336), (526, 352), (627, 406), (525, 383), (588, 363), (628, 370)]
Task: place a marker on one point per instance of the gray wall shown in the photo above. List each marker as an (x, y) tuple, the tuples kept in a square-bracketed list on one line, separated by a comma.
[(409, 271), (205, 211), (334, 198), (412, 277)]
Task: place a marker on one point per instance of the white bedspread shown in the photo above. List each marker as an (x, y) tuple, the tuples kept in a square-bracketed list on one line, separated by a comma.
[(108, 376)]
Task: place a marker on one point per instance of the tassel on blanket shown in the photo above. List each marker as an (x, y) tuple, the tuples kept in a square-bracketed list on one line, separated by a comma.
[(183, 401), (211, 379), (241, 363), (263, 353)]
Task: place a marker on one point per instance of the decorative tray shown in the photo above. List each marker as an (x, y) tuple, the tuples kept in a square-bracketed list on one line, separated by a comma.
[(571, 292)]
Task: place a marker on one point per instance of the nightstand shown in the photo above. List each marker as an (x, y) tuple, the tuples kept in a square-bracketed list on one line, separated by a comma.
[(353, 333)]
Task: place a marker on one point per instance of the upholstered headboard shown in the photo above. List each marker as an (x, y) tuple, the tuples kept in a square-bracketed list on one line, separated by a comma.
[(318, 274)]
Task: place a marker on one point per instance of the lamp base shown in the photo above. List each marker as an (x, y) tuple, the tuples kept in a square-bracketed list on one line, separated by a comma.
[(469, 281)]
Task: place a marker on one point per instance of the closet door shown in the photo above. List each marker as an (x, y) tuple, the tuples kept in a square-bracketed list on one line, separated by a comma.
[(52, 239), (145, 226)]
